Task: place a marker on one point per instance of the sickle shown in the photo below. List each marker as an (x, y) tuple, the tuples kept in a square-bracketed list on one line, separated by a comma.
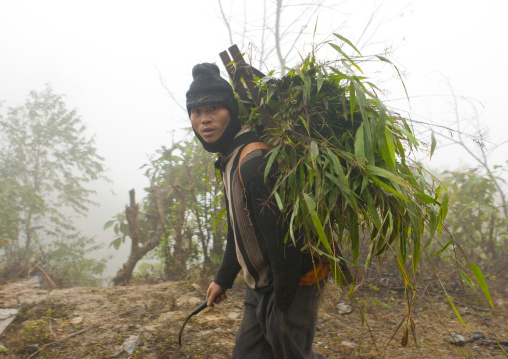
[(196, 311)]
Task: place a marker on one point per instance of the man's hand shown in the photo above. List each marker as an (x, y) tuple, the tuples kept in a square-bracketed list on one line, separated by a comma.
[(215, 294)]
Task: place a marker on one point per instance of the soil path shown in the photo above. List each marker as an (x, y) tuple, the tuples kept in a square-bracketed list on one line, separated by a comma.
[(96, 322)]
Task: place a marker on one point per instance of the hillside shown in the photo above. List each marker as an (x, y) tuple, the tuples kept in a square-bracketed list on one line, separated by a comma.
[(95, 322)]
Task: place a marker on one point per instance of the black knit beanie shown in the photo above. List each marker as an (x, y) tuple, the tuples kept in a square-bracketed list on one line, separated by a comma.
[(207, 88)]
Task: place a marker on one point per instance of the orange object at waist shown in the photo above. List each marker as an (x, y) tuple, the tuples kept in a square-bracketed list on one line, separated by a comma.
[(315, 275)]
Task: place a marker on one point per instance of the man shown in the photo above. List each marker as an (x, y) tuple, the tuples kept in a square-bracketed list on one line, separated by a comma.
[(283, 289)]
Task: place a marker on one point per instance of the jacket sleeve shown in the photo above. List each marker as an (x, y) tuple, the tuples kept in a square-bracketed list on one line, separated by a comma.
[(229, 267), (285, 259)]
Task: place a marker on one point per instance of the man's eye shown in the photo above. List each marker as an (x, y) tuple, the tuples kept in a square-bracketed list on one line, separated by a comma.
[(213, 108)]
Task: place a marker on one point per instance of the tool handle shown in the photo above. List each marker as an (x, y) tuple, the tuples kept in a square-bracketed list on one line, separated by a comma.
[(202, 306)]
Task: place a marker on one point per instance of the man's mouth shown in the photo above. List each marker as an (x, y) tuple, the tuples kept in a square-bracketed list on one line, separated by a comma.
[(207, 131)]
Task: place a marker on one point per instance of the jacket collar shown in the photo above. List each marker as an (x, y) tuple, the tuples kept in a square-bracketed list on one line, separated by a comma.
[(243, 137)]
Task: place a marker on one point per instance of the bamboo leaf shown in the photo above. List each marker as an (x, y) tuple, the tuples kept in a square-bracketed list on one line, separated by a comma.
[(354, 232), (467, 280), (380, 303), (352, 100), (381, 172), (319, 81), (278, 200), (456, 311), (426, 198), (339, 50), (413, 330), (304, 122), (373, 211), (405, 337), (269, 163), (314, 151), (388, 188), (433, 143), (409, 135), (219, 216), (442, 249), (432, 225), (360, 145), (481, 281), (348, 42), (317, 223)]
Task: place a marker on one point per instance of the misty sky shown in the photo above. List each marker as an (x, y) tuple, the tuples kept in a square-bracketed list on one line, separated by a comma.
[(107, 58)]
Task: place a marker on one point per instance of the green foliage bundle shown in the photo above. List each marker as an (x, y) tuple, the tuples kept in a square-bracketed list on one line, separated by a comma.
[(343, 163)]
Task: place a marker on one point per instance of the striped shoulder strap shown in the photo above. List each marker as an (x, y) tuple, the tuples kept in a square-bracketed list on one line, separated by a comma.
[(253, 146)]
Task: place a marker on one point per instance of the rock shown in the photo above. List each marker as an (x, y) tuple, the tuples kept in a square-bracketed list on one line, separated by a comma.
[(171, 317), (348, 344), (6, 318), (457, 339), (76, 320), (130, 344), (233, 315), (476, 336), (344, 308), (196, 286), (185, 301)]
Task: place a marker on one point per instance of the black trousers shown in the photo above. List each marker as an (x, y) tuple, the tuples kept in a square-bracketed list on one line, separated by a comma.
[(267, 333)]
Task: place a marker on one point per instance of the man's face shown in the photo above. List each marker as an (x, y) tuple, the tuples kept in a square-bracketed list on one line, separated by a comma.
[(209, 121)]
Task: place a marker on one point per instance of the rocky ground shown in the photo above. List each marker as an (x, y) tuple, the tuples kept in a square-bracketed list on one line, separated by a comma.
[(143, 321)]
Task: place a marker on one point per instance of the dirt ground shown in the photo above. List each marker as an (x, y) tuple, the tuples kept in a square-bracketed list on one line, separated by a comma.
[(97, 322)]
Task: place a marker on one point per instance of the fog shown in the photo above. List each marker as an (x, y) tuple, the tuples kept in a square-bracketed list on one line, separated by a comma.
[(108, 59)]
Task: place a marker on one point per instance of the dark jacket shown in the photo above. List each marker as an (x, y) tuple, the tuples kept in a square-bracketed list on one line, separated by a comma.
[(256, 228)]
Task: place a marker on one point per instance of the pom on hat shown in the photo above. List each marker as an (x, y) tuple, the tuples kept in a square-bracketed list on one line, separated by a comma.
[(208, 87)]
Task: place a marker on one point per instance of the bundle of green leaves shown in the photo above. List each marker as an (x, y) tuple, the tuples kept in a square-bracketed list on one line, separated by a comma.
[(344, 166)]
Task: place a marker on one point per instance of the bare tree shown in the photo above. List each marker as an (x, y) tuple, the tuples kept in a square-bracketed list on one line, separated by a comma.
[(275, 31)]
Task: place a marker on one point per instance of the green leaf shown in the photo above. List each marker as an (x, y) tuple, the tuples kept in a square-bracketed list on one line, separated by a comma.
[(314, 151), (433, 143), (380, 303), (352, 100), (319, 80), (317, 223), (384, 186), (359, 145), (304, 122), (381, 172), (273, 154), (426, 198), (467, 280), (109, 224), (409, 135), (279, 202), (456, 311), (481, 281), (348, 42), (338, 49), (219, 216), (116, 243), (432, 225), (442, 249), (384, 59), (373, 210)]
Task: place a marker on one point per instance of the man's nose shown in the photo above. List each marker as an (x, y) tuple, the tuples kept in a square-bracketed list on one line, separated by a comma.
[(206, 118)]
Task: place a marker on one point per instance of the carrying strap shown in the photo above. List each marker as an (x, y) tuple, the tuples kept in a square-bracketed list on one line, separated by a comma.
[(253, 146)]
